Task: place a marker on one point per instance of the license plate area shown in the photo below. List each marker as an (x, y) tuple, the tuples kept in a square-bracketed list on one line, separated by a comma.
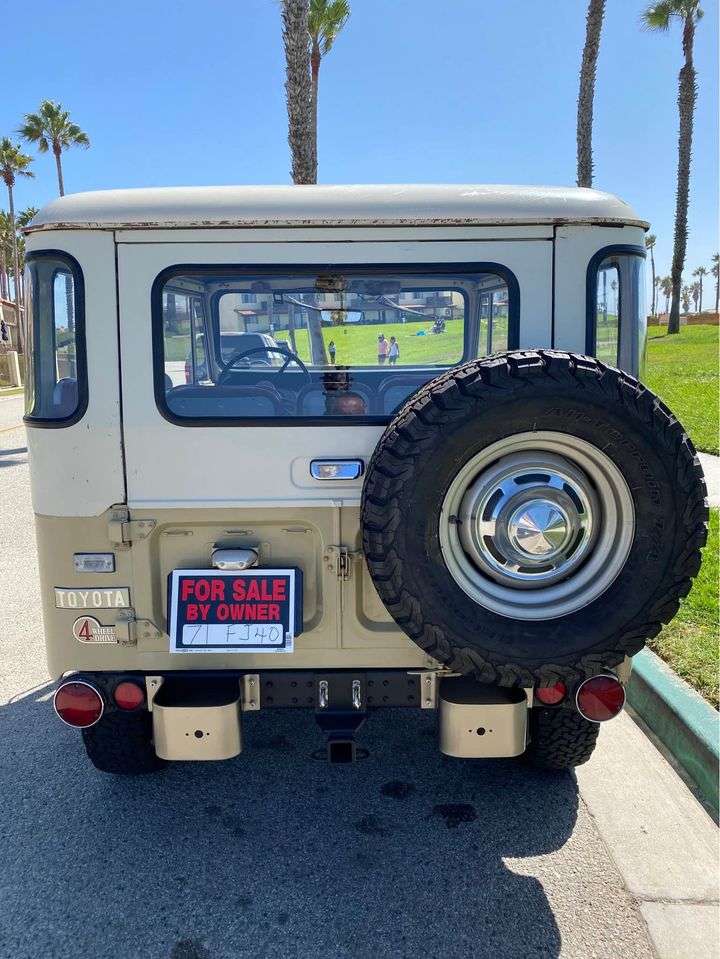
[(252, 611)]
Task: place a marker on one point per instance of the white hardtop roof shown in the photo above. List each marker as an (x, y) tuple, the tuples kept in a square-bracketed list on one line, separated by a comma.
[(374, 205)]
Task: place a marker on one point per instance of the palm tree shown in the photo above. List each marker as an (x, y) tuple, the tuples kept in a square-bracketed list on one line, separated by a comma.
[(298, 88), (656, 294), (650, 241), (695, 294), (685, 294), (659, 17), (715, 270), (21, 220), (325, 21), (700, 273), (52, 129), (666, 287), (586, 95), (5, 254), (14, 163)]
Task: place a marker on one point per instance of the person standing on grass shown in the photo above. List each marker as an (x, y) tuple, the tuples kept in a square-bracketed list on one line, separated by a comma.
[(393, 351), (383, 349), (332, 351)]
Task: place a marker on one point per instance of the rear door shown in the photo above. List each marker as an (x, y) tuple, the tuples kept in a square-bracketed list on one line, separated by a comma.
[(222, 482)]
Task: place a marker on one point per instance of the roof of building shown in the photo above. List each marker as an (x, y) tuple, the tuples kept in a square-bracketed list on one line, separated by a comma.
[(373, 205)]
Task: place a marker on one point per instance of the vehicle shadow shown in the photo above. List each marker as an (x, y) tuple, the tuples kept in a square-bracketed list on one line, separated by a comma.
[(274, 853), (13, 457)]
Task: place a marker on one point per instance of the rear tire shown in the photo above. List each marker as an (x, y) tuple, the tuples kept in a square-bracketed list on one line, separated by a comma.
[(121, 743), (560, 739)]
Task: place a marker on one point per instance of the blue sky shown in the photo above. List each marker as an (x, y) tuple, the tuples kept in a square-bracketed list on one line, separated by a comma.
[(414, 91)]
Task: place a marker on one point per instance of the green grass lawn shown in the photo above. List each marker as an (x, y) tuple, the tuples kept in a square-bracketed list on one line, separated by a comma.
[(356, 345), (683, 371), (690, 643)]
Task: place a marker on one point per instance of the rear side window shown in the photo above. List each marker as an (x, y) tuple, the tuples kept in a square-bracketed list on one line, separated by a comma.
[(616, 307), (607, 313), (56, 377), (337, 344)]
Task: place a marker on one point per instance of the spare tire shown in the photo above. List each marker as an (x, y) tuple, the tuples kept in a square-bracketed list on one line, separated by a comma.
[(534, 516)]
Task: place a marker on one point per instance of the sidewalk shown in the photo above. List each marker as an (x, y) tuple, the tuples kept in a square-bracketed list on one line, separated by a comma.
[(664, 844), (711, 468)]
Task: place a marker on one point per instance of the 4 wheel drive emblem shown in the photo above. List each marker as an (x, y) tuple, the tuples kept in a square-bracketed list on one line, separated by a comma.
[(86, 629)]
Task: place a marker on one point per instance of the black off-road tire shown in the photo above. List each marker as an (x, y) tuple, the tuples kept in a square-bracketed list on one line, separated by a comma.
[(462, 412), (560, 739), (121, 743)]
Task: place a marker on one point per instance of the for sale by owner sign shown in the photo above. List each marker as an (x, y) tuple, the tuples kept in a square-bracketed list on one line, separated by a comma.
[(213, 611)]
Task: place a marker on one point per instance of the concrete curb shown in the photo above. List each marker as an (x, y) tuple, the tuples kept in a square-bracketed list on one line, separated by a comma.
[(681, 719)]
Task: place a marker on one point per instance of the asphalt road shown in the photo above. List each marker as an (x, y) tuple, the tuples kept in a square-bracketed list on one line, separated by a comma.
[(275, 854)]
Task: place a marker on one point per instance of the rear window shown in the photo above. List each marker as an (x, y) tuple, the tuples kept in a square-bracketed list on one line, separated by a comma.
[(56, 377), (333, 344)]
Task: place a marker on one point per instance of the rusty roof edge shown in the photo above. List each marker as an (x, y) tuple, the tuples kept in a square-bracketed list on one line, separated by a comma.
[(356, 222)]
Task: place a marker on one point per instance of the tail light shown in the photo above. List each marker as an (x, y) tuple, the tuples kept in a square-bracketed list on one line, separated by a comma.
[(551, 695), (128, 695), (188, 372), (600, 698), (78, 704)]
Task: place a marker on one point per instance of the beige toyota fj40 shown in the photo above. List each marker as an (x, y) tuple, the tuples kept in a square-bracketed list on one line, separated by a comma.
[(343, 449)]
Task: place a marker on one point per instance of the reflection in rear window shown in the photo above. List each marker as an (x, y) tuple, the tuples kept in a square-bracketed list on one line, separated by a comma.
[(307, 343)]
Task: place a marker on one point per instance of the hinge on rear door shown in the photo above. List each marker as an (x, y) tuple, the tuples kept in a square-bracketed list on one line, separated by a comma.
[(129, 631), (340, 560), (122, 531)]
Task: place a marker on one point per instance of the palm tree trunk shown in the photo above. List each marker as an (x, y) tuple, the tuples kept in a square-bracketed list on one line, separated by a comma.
[(687, 96), (69, 298), (654, 288), (717, 294), (700, 308), (16, 270), (298, 89), (314, 81), (16, 258), (586, 96), (58, 164)]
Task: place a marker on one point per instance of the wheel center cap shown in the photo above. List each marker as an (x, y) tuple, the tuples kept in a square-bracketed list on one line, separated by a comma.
[(538, 528)]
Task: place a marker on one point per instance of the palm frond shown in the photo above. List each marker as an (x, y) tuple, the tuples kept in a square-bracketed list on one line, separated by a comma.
[(325, 21), (13, 162), (658, 16), (52, 128)]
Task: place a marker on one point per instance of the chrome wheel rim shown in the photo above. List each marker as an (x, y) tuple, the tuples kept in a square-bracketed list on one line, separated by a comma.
[(537, 525)]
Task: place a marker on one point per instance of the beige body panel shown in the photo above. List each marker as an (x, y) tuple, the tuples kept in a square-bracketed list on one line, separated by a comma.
[(345, 624)]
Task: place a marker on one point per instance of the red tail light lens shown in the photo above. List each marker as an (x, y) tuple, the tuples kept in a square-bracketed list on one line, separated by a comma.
[(551, 695), (129, 695), (78, 704), (600, 698)]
